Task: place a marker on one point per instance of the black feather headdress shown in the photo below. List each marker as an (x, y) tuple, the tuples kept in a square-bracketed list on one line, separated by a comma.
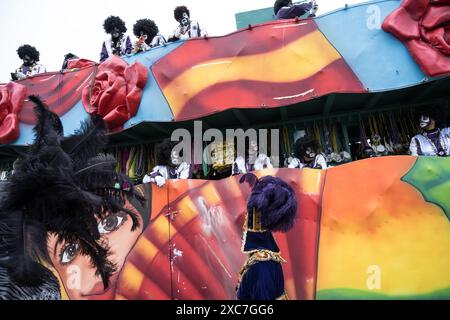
[(62, 186)]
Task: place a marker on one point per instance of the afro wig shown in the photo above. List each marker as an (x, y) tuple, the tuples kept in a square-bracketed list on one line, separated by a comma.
[(114, 22), (304, 143), (274, 199), (280, 4), (163, 152), (178, 12), (432, 111), (147, 27), (27, 50)]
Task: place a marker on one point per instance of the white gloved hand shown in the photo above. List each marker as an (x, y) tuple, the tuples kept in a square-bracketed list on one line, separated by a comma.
[(160, 181), (146, 179), (294, 163), (177, 33)]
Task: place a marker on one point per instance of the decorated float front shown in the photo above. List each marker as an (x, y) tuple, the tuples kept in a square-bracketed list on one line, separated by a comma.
[(376, 228)]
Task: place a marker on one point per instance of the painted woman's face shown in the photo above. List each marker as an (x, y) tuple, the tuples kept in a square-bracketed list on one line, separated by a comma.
[(76, 271)]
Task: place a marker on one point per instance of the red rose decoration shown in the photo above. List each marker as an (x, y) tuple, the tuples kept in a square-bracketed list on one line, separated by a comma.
[(79, 63), (12, 96), (424, 27), (116, 92)]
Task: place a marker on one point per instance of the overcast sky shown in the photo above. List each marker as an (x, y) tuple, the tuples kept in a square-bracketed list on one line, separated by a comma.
[(56, 27)]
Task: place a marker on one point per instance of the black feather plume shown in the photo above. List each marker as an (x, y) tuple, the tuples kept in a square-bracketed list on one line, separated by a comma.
[(48, 126), (61, 186), (88, 141)]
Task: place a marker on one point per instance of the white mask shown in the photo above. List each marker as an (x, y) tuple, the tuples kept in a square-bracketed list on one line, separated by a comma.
[(175, 158), (424, 121)]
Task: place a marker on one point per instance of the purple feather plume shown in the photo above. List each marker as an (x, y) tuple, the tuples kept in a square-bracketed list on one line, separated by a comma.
[(274, 199)]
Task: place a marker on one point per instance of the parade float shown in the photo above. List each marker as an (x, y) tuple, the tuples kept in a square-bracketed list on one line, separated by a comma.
[(369, 229)]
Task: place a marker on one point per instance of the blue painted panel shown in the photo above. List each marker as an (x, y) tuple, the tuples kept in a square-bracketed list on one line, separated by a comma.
[(379, 60), (154, 106), (71, 122)]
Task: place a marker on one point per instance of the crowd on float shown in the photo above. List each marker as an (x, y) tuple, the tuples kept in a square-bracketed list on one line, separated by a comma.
[(148, 36), (66, 199), (118, 42), (433, 140)]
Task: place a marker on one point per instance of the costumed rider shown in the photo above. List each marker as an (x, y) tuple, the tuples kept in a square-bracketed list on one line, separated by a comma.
[(170, 165), (148, 35), (271, 207), (67, 58), (187, 28), (118, 43), (222, 159), (62, 186), (284, 9), (433, 140), (30, 66), (307, 155), (253, 162)]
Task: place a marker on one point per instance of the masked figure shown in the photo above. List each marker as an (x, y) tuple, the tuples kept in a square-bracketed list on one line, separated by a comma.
[(222, 159), (284, 9), (433, 140), (307, 155), (271, 207), (30, 67), (170, 165), (148, 35), (64, 195), (187, 28), (254, 161), (117, 43)]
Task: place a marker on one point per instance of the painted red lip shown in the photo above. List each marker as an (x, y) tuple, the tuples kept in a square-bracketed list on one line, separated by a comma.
[(98, 292)]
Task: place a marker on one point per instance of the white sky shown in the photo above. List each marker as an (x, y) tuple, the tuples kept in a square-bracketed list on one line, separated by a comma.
[(56, 27)]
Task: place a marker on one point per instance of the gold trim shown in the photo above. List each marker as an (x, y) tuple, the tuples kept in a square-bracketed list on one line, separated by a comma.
[(256, 256), (245, 227), (257, 224), (284, 296)]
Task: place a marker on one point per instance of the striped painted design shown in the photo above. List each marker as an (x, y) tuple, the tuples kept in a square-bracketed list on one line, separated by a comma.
[(60, 91), (272, 65), (205, 241)]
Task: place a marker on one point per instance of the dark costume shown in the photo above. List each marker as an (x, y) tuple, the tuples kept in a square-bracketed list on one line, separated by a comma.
[(432, 142), (117, 43), (67, 58), (169, 165), (272, 206), (61, 186), (222, 158), (148, 35), (187, 28), (30, 66), (254, 161), (284, 9), (306, 148)]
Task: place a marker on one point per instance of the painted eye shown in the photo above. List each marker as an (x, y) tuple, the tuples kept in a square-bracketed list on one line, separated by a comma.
[(69, 253), (111, 223)]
